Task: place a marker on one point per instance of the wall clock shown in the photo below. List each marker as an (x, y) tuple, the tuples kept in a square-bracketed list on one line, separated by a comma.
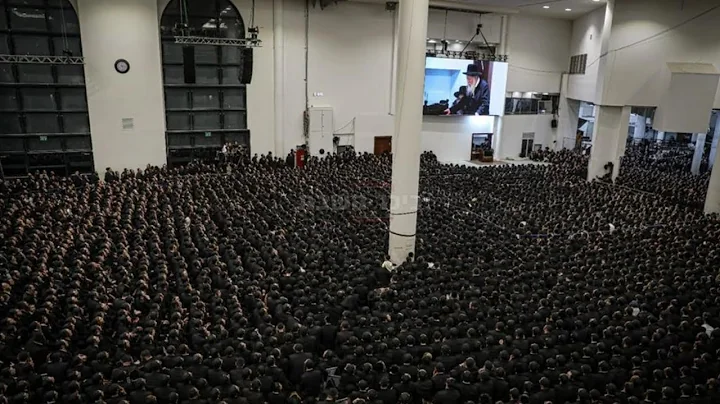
[(122, 66)]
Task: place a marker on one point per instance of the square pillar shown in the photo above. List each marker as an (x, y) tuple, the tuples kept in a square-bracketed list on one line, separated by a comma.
[(698, 154), (712, 200), (640, 128), (568, 117), (716, 138), (609, 138)]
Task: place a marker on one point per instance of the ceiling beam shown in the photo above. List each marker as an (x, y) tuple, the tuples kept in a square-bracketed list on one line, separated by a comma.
[(454, 5)]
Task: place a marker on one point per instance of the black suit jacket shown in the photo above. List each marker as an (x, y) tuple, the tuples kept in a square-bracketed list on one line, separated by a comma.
[(447, 396), (478, 104), (311, 383), (296, 366)]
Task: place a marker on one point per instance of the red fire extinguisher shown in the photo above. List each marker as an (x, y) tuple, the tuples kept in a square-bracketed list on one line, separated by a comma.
[(300, 157)]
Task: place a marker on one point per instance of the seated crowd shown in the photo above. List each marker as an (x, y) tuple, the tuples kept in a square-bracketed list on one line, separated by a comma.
[(647, 168), (260, 283)]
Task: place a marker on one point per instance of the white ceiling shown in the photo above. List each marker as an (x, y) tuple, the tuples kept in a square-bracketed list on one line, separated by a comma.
[(556, 7)]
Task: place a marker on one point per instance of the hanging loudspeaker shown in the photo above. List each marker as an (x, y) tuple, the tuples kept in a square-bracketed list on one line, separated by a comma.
[(246, 70), (189, 64)]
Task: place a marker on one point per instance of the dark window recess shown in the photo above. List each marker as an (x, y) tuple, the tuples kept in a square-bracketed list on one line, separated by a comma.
[(44, 122), (202, 116)]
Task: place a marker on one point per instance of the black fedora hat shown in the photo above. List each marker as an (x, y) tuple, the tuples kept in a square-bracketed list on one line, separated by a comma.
[(473, 70), (462, 90)]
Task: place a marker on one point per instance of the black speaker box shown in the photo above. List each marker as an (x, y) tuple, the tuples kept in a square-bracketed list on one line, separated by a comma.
[(246, 70), (553, 123), (189, 64)]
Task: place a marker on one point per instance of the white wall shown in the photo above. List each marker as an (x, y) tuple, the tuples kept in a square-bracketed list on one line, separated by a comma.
[(538, 53), (456, 25), (348, 63), (586, 38), (568, 116), (646, 34), (352, 66), (350, 60), (260, 99), (293, 93), (450, 137), (513, 126), (113, 96)]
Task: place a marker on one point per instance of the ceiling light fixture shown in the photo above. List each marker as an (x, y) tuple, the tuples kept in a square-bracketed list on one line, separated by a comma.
[(432, 41), (546, 6), (568, 9)]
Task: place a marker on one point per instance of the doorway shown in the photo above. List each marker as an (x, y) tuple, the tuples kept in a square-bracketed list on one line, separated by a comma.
[(383, 144), (527, 144)]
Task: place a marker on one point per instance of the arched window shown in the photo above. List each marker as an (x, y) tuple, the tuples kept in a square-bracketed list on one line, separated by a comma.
[(202, 116), (44, 122)]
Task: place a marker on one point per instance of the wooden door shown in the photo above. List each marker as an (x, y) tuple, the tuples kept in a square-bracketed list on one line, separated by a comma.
[(383, 144)]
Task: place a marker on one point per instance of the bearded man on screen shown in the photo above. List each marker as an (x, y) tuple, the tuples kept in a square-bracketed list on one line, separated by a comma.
[(477, 100)]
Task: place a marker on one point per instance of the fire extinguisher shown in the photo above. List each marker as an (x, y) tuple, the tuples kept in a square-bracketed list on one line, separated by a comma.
[(300, 157)]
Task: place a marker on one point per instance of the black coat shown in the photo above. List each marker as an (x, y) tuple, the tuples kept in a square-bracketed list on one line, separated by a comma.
[(447, 396), (478, 104), (296, 366), (388, 396), (311, 383)]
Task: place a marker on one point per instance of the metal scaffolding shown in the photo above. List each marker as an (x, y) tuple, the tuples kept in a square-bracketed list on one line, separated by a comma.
[(200, 40), (42, 60)]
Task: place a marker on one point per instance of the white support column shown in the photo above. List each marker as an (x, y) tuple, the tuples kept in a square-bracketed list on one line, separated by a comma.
[(497, 140), (640, 128), (660, 136), (568, 117), (712, 201), (716, 138), (698, 154), (279, 73), (504, 28), (608, 140), (413, 23)]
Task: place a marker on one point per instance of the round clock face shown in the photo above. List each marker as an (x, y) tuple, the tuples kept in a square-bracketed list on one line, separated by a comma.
[(122, 66)]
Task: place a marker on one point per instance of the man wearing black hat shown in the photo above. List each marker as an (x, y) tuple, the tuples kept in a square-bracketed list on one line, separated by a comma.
[(477, 101), (459, 95)]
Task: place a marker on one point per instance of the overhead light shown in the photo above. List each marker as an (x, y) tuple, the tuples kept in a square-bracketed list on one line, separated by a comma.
[(432, 41), (458, 41), (596, 1), (568, 9), (546, 6), (545, 93)]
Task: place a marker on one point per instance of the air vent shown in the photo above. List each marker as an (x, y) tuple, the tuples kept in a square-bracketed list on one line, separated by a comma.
[(578, 63), (128, 123)]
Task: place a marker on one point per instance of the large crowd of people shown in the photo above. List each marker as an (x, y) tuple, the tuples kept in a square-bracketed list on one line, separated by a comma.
[(665, 172), (256, 282), (645, 167)]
